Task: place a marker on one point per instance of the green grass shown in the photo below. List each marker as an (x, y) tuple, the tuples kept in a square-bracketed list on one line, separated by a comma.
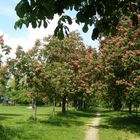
[(16, 125), (119, 126)]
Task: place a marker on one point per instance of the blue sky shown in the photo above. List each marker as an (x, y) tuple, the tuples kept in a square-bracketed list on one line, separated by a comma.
[(26, 36), (8, 18)]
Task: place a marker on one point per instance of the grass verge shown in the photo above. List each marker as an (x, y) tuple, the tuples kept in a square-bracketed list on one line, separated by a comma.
[(16, 125), (119, 126)]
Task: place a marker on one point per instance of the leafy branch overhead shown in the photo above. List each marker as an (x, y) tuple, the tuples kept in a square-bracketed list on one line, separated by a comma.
[(41, 12)]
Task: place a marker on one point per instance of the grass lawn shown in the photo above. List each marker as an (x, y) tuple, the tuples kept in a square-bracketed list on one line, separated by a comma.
[(119, 126), (16, 125)]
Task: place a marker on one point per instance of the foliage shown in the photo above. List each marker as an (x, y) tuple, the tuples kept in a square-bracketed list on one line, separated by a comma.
[(41, 12), (83, 78), (16, 96), (65, 62), (72, 67), (4, 72), (60, 70), (119, 59), (4, 67)]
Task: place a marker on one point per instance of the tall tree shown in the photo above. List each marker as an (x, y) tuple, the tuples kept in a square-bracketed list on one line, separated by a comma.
[(4, 67), (83, 77), (60, 53), (119, 59), (29, 73)]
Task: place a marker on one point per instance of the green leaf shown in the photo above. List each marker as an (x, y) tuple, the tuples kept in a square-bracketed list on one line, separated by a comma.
[(77, 21), (34, 24), (26, 21), (66, 30), (18, 24), (63, 18), (60, 34), (20, 9), (45, 24), (69, 20), (80, 17), (56, 30), (39, 23), (85, 28), (95, 33), (100, 9)]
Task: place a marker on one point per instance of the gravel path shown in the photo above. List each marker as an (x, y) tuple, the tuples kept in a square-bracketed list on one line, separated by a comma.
[(92, 133)]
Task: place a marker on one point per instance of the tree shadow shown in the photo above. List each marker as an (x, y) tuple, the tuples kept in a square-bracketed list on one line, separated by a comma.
[(10, 115), (126, 123), (43, 114), (69, 119), (113, 114), (57, 121), (8, 134), (83, 114), (3, 118), (75, 114), (121, 121), (7, 116)]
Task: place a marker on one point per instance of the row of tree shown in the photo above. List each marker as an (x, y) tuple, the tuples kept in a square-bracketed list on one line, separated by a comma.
[(65, 71), (120, 62)]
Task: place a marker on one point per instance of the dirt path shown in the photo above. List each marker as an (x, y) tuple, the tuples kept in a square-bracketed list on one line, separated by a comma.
[(92, 133)]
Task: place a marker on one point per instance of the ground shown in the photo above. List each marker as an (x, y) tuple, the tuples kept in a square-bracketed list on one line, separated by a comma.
[(92, 133)]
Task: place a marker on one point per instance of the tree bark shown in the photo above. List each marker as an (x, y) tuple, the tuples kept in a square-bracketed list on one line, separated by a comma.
[(130, 107), (117, 104), (64, 104), (34, 106), (54, 103), (136, 110)]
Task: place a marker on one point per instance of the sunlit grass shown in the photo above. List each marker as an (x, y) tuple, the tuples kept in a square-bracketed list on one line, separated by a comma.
[(16, 125), (119, 126)]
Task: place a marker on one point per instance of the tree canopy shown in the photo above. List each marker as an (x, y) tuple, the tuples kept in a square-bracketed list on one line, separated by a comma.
[(119, 61), (41, 12)]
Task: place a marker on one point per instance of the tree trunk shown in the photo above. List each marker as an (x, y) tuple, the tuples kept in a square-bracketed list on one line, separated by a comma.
[(83, 105), (130, 107), (67, 105), (64, 104), (34, 106), (136, 110), (117, 104), (80, 104), (54, 103)]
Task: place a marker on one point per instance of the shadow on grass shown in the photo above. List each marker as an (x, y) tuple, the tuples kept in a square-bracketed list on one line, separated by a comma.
[(127, 123), (69, 119), (7, 133), (10, 115), (7, 116), (56, 121), (83, 114), (43, 114), (121, 121)]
